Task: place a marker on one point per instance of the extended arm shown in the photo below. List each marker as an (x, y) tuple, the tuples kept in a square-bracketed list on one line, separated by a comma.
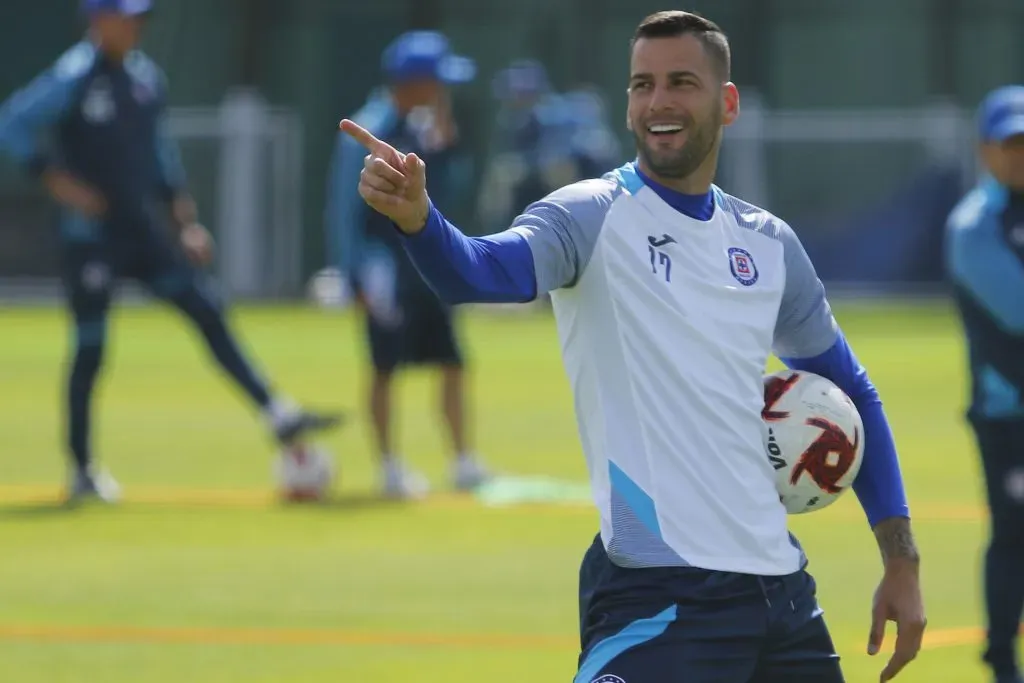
[(462, 269), (546, 248)]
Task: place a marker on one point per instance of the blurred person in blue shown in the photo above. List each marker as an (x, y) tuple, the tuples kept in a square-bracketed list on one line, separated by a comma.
[(530, 150), (406, 323), (985, 261), (92, 128), (543, 140), (593, 146)]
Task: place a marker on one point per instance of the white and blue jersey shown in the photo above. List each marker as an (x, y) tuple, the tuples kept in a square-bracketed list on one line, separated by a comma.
[(985, 261), (668, 307)]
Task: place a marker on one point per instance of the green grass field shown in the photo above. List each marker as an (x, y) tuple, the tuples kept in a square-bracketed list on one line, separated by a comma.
[(201, 576)]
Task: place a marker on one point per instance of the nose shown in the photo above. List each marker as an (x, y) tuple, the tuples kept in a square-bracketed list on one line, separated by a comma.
[(661, 99)]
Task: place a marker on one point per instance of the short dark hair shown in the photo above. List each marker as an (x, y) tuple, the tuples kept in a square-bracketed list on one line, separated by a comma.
[(673, 23)]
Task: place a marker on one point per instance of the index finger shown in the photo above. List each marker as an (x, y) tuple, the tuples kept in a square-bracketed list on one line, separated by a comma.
[(370, 141), (360, 135)]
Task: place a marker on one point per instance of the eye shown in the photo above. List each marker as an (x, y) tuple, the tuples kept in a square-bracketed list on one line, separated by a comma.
[(685, 83)]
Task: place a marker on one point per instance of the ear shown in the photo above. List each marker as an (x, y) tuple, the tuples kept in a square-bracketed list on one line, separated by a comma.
[(730, 103)]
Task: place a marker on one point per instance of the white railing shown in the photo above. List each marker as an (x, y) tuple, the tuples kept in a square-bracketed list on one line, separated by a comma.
[(258, 193), (944, 131), (258, 183)]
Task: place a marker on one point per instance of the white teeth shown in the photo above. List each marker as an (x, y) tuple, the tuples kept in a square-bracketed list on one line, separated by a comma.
[(664, 128)]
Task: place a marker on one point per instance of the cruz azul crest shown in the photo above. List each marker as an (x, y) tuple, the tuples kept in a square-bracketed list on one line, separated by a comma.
[(741, 263)]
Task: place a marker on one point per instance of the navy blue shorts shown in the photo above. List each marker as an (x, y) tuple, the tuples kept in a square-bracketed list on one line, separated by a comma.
[(91, 270), (688, 625), (425, 336)]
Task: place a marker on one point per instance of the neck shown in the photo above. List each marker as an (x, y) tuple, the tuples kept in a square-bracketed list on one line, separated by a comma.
[(697, 205), (696, 183)]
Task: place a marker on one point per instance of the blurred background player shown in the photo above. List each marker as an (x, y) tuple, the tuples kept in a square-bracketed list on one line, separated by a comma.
[(543, 140), (91, 128), (406, 322), (985, 253), (525, 141), (593, 146)]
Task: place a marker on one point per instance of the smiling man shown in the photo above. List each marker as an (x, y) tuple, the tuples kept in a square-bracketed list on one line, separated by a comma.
[(670, 295)]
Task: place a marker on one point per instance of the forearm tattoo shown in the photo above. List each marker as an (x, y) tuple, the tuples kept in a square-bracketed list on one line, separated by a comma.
[(896, 540)]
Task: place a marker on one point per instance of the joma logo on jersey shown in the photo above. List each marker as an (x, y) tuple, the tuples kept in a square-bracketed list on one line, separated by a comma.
[(742, 265), (660, 241), (660, 259)]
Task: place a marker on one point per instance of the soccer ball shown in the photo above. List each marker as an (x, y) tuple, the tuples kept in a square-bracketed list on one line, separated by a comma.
[(328, 289), (815, 439), (304, 473)]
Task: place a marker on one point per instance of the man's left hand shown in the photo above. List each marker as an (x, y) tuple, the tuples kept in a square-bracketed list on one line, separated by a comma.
[(197, 243), (898, 599)]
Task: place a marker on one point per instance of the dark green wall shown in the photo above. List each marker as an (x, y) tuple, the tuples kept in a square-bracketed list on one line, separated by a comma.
[(321, 56)]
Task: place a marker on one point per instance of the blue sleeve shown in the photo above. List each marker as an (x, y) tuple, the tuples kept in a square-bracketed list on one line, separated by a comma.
[(982, 263), (461, 269), (879, 484), (346, 212), (548, 247), (28, 116)]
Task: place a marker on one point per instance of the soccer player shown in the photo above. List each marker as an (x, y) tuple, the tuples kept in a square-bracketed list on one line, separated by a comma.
[(669, 295), (407, 324), (985, 259), (92, 128)]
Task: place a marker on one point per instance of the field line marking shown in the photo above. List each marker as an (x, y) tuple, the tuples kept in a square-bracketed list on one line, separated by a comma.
[(32, 494), (277, 636), (159, 635), (252, 498)]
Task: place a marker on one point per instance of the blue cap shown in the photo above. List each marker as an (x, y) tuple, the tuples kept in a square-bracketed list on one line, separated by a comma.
[(129, 8), (1001, 114), (420, 55)]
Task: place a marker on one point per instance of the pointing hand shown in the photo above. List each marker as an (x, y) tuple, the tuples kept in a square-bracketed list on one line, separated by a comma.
[(392, 183)]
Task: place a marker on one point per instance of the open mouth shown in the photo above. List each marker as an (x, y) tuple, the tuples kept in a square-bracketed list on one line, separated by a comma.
[(664, 130)]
